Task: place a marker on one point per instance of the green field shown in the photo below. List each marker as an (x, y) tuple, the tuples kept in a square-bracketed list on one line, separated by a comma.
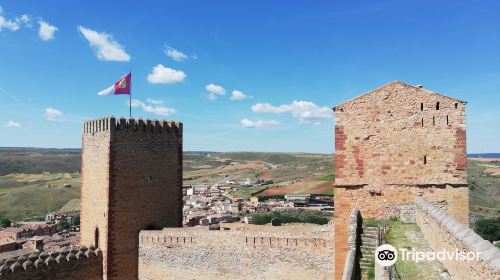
[(25, 174), (28, 196), (484, 188)]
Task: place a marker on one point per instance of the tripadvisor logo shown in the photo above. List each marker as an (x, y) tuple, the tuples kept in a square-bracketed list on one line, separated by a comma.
[(386, 255)]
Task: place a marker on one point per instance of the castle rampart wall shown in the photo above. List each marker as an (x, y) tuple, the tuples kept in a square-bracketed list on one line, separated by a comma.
[(75, 264), (444, 232), (200, 253)]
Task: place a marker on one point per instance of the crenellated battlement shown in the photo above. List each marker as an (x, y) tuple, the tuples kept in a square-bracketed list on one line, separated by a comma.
[(67, 263), (133, 125), (241, 238)]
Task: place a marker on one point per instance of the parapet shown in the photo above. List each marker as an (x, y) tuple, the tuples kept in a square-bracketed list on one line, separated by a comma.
[(67, 263), (134, 125), (444, 232)]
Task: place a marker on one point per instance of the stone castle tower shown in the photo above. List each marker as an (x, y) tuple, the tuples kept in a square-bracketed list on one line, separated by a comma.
[(393, 144), (131, 180)]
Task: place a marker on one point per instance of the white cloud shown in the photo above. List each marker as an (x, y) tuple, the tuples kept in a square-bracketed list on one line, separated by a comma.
[(157, 110), (53, 115), (104, 46), (165, 75), (13, 124), (259, 123), (214, 90), (24, 18), (175, 54), (154, 101), (238, 95), (135, 103), (8, 24), (306, 112), (46, 30), (15, 24)]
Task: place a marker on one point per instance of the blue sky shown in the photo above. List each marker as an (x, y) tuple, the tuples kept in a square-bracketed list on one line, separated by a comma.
[(241, 75)]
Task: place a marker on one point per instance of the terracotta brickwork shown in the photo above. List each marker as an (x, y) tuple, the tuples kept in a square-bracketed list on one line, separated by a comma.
[(393, 144), (131, 180)]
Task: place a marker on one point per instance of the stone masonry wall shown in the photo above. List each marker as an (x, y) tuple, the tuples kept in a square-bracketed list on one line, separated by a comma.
[(444, 232), (94, 196), (380, 138), (393, 144), (75, 264), (142, 181), (351, 267), (235, 254)]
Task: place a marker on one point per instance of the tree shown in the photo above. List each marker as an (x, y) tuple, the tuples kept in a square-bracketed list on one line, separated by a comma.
[(5, 222), (489, 229), (75, 221), (62, 225)]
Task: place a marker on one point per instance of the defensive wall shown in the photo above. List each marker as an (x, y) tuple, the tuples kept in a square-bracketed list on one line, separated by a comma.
[(70, 263), (352, 268), (176, 253), (445, 232)]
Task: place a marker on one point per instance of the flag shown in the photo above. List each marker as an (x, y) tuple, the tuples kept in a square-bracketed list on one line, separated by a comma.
[(123, 86)]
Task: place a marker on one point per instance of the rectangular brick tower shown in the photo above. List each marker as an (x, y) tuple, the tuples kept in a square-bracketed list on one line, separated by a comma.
[(131, 180), (393, 144)]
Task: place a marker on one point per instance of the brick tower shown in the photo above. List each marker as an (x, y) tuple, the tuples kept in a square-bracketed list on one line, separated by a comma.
[(393, 144), (131, 180)]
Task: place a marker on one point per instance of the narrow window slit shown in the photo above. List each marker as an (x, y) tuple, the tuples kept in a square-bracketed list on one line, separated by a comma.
[(425, 159), (422, 122), (447, 120), (437, 105), (456, 105), (421, 106), (433, 120)]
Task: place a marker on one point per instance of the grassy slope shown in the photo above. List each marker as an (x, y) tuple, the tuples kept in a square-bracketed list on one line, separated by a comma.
[(484, 189), (24, 196), (34, 160)]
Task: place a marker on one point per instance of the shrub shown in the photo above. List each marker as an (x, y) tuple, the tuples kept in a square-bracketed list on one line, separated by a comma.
[(5, 222), (488, 229), (312, 218), (62, 225)]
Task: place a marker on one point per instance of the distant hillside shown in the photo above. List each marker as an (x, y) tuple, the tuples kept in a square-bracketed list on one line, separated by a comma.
[(28, 194), (36, 160), (487, 155)]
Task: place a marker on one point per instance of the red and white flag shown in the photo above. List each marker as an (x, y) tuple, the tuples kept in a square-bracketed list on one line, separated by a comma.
[(123, 86)]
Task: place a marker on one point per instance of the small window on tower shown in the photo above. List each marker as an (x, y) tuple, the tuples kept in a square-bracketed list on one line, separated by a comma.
[(437, 105), (421, 106), (433, 120), (422, 122), (447, 120), (456, 105), (96, 238), (425, 159)]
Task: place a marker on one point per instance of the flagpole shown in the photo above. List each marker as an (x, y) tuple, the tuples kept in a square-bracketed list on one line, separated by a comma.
[(130, 95)]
